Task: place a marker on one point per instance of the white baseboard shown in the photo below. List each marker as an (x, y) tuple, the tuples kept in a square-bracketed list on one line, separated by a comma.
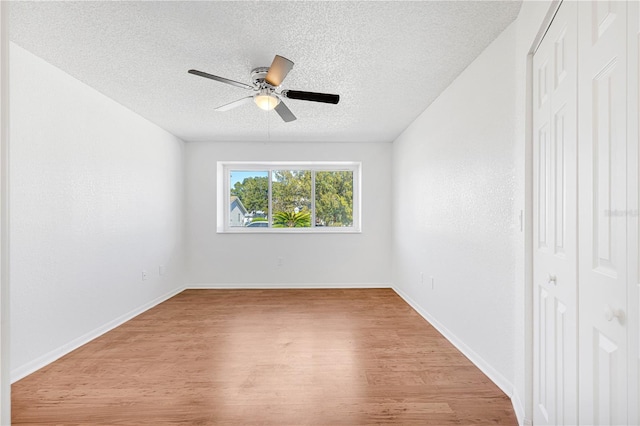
[(519, 409), (233, 286), (30, 367), (505, 385)]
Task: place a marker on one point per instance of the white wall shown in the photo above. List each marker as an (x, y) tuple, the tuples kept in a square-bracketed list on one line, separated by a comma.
[(96, 197), (241, 260), (454, 171), (461, 171)]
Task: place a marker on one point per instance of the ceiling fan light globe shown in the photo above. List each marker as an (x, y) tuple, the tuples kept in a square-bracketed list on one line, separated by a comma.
[(266, 102)]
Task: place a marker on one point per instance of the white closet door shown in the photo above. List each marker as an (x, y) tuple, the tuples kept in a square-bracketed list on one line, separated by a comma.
[(555, 223), (602, 128)]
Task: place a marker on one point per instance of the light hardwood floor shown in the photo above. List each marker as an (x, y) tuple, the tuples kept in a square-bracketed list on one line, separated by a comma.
[(272, 357)]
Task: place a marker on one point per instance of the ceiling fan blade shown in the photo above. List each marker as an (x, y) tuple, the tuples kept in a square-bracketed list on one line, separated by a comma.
[(278, 70), (234, 104), (284, 112), (326, 98), (221, 79)]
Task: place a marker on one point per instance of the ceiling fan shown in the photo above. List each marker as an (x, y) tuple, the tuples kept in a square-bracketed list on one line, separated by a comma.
[(265, 88)]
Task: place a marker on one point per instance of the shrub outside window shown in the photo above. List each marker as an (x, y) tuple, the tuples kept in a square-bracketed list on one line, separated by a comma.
[(288, 197)]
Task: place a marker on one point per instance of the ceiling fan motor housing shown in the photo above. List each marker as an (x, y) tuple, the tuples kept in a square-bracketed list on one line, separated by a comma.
[(258, 75)]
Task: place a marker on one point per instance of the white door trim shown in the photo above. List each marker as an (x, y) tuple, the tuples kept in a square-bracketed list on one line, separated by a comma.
[(633, 205), (5, 382)]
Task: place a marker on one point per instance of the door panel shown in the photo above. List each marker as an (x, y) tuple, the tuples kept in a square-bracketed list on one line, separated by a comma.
[(605, 138), (602, 204), (555, 254), (607, 356)]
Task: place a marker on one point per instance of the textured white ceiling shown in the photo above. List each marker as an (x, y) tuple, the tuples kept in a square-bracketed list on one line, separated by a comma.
[(387, 60)]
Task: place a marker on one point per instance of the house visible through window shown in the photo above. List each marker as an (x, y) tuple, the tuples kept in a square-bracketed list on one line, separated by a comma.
[(289, 197)]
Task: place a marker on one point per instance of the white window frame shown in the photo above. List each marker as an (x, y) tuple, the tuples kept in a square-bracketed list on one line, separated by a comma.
[(224, 186)]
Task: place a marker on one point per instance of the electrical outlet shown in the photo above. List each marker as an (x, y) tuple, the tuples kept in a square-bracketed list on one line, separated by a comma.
[(144, 275), (280, 261), (162, 270), (421, 277), (432, 283)]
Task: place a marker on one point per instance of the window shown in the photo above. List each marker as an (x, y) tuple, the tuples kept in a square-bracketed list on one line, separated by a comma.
[(288, 197)]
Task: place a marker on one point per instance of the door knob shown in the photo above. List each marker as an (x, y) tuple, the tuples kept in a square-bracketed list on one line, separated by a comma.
[(552, 279), (610, 313)]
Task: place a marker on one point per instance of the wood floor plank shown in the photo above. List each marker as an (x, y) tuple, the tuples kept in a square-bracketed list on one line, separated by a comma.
[(265, 357)]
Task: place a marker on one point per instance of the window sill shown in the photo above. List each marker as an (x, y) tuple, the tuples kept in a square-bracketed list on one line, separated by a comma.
[(290, 231)]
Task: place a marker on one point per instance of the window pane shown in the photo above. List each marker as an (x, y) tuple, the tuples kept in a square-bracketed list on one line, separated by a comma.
[(291, 198), (334, 198), (249, 202)]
